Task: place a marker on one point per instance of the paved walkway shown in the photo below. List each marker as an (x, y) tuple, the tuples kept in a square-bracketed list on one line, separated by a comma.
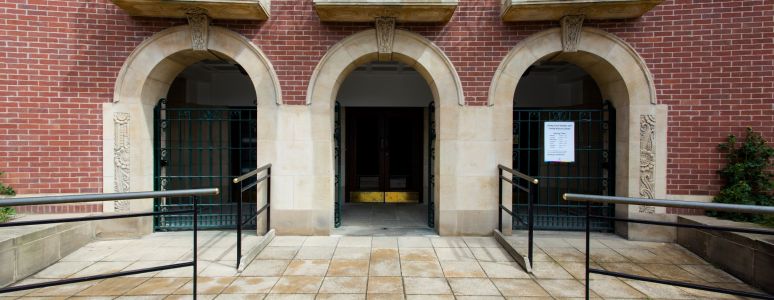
[(418, 267)]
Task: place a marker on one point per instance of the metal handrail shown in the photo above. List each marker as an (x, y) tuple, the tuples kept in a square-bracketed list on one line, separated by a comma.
[(106, 197), (724, 207), (265, 207), (531, 190), (195, 193), (251, 173), (521, 175)]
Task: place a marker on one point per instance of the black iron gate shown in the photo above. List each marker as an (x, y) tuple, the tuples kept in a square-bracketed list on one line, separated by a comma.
[(592, 172), (430, 163), (339, 194), (203, 147)]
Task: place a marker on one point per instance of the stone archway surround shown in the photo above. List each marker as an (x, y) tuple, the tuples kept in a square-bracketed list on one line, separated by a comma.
[(641, 124), (301, 143), (145, 78)]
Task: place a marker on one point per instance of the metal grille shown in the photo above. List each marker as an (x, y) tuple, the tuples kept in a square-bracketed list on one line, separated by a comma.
[(430, 163), (591, 173), (337, 179), (202, 147)]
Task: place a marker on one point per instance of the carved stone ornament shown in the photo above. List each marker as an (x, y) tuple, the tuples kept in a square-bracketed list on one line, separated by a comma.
[(647, 159), (121, 158), (200, 25), (385, 35), (571, 32)]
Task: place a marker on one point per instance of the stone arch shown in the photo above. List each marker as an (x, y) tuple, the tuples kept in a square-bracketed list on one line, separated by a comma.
[(333, 68), (144, 78), (149, 69), (623, 79), (408, 47)]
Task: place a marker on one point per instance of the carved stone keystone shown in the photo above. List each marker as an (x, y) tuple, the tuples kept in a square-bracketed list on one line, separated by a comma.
[(385, 35), (571, 32), (200, 25)]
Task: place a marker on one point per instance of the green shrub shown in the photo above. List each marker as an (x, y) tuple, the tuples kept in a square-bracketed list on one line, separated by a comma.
[(747, 176), (6, 212)]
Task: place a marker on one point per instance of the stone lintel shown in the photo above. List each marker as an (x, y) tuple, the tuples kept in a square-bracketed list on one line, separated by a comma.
[(429, 11), (216, 9), (553, 10)]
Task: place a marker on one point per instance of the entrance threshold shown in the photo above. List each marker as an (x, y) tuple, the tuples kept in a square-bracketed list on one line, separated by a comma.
[(380, 219)]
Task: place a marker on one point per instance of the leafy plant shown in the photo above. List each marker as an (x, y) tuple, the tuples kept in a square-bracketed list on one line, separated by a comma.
[(747, 176), (6, 212)]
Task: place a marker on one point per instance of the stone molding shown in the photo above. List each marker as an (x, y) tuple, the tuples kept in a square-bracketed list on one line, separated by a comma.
[(200, 25), (571, 32), (417, 42), (553, 10), (256, 10), (134, 76), (121, 159), (385, 35), (408, 11), (647, 160), (541, 44)]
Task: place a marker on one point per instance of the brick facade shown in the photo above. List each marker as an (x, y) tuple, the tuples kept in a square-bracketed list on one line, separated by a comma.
[(712, 61)]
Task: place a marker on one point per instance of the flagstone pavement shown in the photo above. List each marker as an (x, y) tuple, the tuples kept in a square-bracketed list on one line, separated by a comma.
[(378, 267)]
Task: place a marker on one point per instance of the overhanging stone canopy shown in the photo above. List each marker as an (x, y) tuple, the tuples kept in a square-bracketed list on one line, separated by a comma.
[(257, 10), (426, 11), (552, 10)]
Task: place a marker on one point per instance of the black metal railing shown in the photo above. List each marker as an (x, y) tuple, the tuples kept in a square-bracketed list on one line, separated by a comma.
[(193, 193), (244, 186), (750, 209), (531, 191)]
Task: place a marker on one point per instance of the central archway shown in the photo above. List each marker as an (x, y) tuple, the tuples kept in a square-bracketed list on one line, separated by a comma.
[(417, 52)]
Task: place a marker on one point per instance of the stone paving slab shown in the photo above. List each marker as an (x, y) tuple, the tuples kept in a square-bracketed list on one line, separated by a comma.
[(413, 267)]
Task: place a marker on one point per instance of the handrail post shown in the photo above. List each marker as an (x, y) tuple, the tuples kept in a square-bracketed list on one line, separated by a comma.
[(268, 199), (500, 199), (533, 191), (195, 241), (239, 224), (588, 245)]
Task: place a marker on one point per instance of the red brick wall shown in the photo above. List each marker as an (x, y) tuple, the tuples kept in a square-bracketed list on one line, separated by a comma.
[(711, 60)]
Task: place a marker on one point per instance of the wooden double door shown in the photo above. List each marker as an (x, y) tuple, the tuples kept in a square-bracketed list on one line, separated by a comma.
[(384, 154)]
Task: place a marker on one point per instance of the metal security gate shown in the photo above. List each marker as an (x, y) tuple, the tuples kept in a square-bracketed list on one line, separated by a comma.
[(202, 147), (339, 194), (592, 172)]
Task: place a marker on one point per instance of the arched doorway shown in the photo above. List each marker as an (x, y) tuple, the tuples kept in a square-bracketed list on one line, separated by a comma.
[(205, 135), (383, 110), (553, 95), (146, 77), (344, 57), (624, 80)]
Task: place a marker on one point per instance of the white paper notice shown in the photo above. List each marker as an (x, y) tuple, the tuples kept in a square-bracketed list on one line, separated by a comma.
[(559, 142)]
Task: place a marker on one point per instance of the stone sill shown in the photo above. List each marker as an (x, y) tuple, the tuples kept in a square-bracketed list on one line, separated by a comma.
[(413, 11), (257, 10), (749, 257), (552, 10)]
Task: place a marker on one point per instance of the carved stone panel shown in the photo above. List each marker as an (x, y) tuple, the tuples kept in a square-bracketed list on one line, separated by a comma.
[(571, 32), (647, 159), (121, 158), (200, 25), (385, 34)]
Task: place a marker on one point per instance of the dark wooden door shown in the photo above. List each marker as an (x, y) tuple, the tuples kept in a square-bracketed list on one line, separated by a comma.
[(384, 154)]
